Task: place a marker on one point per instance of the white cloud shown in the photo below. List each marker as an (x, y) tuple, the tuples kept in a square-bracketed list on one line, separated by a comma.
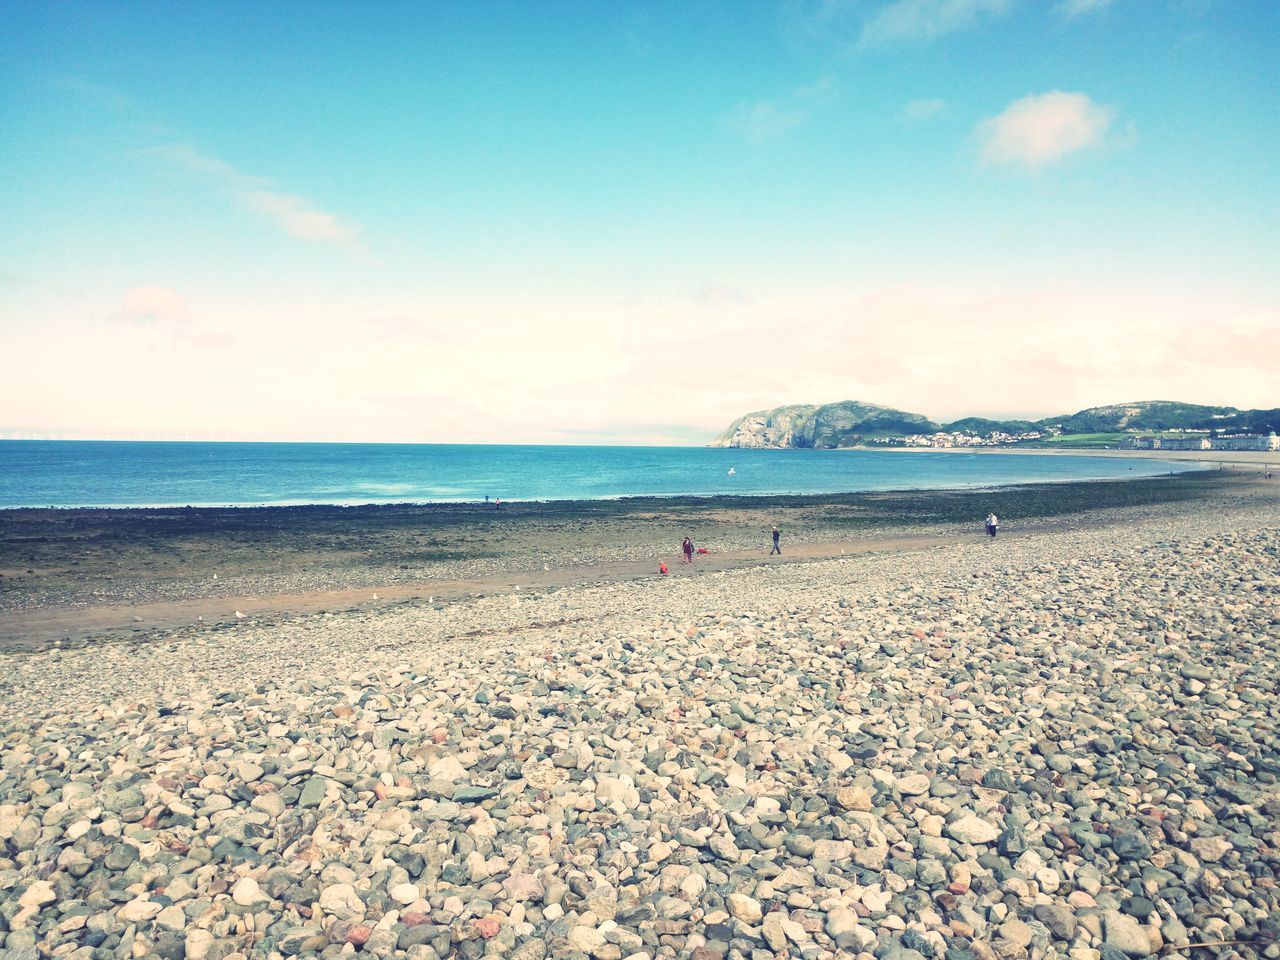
[(767, 119), (293, 214), (161, 314), (926, 19), (151, 303), (297, 218), (1042, 129), (923, 109), (1076, 8)]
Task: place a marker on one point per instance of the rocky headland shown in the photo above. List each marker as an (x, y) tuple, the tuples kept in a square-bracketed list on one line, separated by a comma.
[(841, 424)]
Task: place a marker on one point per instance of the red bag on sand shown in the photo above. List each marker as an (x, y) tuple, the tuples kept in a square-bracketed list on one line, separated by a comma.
[(662, 568), (703, 550)]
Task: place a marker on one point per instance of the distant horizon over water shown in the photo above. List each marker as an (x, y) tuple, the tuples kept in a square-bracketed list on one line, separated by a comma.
[(140, 473)]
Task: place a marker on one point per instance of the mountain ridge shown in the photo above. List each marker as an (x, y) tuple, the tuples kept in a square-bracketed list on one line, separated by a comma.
[(851, 422)]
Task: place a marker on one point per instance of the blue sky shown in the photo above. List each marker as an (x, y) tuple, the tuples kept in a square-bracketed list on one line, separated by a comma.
[(629, 223)]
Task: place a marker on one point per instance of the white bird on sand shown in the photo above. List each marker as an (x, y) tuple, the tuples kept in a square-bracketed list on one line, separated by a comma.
[(546, 566), (375, 596), (239, 615)]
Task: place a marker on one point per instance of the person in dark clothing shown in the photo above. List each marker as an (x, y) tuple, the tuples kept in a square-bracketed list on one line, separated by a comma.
[(687, 547), (776, 549)]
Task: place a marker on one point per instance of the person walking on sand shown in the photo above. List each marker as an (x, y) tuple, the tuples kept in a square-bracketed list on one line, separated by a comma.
[(687, 547), (776, 549), (993, 524)]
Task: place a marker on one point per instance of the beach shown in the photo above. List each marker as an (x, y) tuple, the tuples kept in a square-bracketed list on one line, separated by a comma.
[(81, 575), (902, 740)]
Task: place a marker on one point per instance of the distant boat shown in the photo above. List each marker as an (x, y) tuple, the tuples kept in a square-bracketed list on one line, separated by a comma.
[(732, 471)]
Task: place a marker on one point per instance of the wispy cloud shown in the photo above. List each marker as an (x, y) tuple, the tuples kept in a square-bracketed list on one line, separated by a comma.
[(926, 19), (295, 215), (1042, 129), (1077, 8), (767, 119), (164, 311), (923, 109), (151, 303)]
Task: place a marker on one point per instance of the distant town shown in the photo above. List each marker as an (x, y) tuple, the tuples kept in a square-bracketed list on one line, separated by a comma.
[(1131, 440)]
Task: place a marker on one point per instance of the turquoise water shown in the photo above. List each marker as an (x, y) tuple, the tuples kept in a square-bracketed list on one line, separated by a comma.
[(73, 473)]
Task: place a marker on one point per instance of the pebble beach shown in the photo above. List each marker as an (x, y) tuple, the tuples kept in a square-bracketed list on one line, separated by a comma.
[(1059, 746)]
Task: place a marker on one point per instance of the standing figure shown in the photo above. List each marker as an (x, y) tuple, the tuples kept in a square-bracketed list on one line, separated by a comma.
[(993, 524), (776, 549), (687, 547)]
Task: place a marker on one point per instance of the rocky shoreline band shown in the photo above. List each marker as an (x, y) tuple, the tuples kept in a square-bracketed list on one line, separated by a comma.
[(928, 747)]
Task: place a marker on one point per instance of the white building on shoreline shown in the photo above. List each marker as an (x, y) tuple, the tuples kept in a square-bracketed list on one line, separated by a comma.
[(1252, 441)]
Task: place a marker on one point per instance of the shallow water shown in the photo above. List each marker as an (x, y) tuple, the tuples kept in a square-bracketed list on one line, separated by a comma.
[(42, 473)]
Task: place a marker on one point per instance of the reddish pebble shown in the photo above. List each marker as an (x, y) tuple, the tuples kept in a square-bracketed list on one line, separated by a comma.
[(359, 935), (439, 735), (414, 918), (380, 791), (488, 927)]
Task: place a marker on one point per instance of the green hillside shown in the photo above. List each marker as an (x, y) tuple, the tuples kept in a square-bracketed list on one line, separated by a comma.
[(1155, 415)]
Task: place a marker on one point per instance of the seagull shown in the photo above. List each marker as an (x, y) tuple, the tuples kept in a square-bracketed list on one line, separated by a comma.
[(732, 471), (375, 596), (239, 615)]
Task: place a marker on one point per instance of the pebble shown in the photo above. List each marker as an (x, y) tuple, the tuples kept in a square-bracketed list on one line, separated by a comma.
[(983, 752)]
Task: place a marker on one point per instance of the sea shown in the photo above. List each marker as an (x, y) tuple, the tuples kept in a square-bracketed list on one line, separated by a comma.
[(85, 473)]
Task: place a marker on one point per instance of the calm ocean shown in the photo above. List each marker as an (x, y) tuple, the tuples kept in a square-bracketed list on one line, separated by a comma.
[(41, 473)]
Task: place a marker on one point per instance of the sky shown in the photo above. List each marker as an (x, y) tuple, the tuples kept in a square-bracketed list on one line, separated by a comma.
[(629, 222)]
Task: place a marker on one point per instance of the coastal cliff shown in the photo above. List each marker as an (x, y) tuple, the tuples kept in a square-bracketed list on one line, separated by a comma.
[(843, 424)]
